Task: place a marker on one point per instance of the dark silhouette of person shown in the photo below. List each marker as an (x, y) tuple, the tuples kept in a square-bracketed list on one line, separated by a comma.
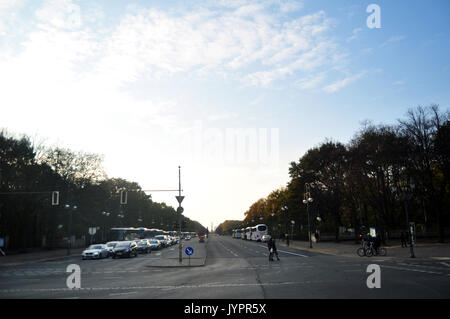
[(272, 249), (377, 242), (403, 239)]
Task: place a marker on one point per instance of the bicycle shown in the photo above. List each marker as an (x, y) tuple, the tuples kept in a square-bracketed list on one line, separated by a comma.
[(371, 251), (361, 251)]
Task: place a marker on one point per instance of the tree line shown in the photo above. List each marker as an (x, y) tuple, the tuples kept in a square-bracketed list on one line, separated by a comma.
[(374, 180), (30, 172)]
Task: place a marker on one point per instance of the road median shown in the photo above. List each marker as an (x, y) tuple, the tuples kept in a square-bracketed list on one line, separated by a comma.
[(170, 259)]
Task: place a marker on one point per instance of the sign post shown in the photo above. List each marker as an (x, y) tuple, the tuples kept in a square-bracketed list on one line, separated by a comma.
[(189, 251), (2, 244), (92, 231)]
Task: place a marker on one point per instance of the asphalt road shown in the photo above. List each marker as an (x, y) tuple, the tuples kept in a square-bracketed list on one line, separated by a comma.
[(234, 269)]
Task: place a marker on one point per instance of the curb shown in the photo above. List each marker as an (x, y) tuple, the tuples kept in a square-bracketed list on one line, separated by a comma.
[(37, 260), (343, 254)]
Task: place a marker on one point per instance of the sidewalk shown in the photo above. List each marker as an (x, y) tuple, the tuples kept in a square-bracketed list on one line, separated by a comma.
[(45, 255), (348, 249)]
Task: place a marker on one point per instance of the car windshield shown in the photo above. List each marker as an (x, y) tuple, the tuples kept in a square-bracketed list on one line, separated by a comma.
[(111, 244), (142, 243), (122, 245), (95, 247)]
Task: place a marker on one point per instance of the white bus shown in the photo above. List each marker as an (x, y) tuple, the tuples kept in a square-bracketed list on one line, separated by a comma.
[(237, 233), (258, 231)]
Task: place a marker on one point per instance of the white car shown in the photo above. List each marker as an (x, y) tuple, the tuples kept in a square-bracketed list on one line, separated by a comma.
[(95, 252), (265, 238), (110, 246), (155, 244)]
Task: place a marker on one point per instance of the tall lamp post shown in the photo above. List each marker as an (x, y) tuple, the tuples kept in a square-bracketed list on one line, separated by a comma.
[(70, 209), (284, 210), (106, 214), (306, 200), (405, 192)]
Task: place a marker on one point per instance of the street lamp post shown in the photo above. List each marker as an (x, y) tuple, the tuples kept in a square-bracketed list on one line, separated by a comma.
[(106, 214), (69, 228), (405, 192), (306, 200), (273, 224), (292, 229), (284, 210)]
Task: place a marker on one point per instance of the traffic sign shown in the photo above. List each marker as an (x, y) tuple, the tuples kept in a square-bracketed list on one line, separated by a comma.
[(189, 251), (123, 197), (179, 199), (180, 210), (92, 230), (55, 198)]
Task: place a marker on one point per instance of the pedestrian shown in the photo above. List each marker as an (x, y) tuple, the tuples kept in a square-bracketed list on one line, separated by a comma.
[(272, 249), (317, 236), (287, 239), (403, 240)]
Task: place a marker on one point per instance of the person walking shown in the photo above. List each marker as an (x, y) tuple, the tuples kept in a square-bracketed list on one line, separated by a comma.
[(403, 239), (272, 249)]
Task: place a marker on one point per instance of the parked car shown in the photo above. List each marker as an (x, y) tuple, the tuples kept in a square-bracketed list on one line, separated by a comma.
[(125, 249), (143, 246), (155, 244), (110, 246), (163, 239), (95, 252), (265, 238)]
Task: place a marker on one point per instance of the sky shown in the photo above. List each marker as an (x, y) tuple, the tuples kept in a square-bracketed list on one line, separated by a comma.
[(231, 91)]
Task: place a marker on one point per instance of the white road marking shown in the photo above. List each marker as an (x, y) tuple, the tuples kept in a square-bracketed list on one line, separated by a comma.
[(287, 252), (207, 285), (123, 293), (416, 270)]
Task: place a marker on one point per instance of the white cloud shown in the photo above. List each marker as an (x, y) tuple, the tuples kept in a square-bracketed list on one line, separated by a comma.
[(393, 39), (60, 13), (354, 36), (8, 15), (311, 82), (340, 84), (222, 116)]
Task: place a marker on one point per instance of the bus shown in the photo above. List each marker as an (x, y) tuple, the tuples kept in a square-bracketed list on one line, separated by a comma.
[(131, 233), (258, 231), (247, 233), (237, 233)]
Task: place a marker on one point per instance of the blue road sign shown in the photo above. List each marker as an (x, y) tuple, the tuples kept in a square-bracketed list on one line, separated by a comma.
[(189, 251)]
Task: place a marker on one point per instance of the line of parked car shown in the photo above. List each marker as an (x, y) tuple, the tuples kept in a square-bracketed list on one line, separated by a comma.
[(130, 248)]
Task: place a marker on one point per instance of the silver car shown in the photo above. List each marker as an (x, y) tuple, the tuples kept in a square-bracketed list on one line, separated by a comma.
[(95, 252), (110, 246)]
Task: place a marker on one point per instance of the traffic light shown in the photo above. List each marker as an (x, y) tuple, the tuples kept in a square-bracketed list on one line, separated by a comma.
[(55, 198), (123, 197)]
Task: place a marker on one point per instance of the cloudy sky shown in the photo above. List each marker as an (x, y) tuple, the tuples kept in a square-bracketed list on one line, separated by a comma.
[(232, 91)]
